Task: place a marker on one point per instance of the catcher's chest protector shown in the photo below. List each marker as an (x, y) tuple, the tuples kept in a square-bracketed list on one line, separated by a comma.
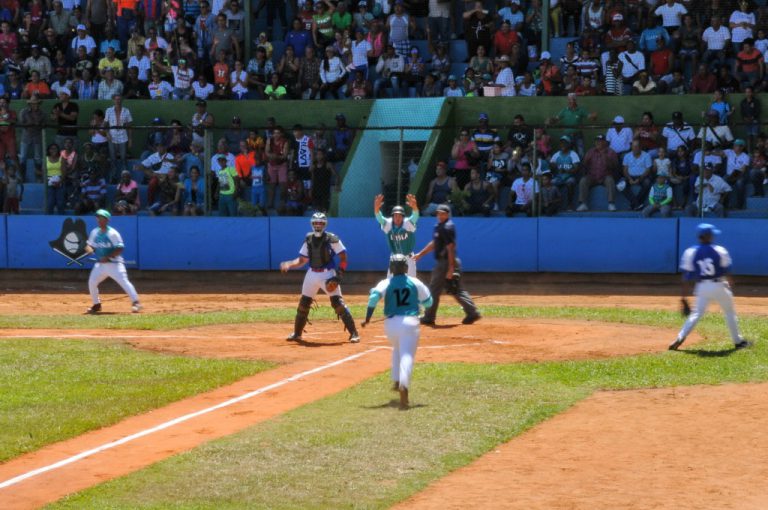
[(319, 250)]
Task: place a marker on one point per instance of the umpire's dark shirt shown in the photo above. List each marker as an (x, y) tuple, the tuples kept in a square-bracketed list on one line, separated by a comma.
[(445, 234)]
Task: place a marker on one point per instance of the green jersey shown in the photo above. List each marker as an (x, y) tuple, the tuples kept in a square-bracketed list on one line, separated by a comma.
[(401, 239)]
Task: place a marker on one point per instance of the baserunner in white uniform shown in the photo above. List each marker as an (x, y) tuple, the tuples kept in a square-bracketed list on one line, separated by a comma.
[(708, 264), (107, 245), (402, 296)]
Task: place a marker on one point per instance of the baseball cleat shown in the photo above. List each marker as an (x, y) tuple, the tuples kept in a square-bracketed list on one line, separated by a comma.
[(354, 337), (741, 345), (396, 386), (94, 309), (293, 337), (612, 207), (136, 307), (426, 322), (403, 398), (677, 343), (470, 319)]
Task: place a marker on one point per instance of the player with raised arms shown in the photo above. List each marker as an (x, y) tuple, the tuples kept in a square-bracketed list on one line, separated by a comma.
[(402, 296), (399, 229), (320, 249)]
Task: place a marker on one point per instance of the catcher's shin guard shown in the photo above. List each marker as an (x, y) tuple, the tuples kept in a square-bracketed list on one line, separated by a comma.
[(302, 315), (343, 313)]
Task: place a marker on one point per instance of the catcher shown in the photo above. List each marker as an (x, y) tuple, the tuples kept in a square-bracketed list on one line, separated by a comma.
[(319, 249)]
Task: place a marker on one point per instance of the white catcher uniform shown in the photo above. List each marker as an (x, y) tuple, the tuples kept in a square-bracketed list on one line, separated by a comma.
[(402, 296), (103, 242), (708, 265)]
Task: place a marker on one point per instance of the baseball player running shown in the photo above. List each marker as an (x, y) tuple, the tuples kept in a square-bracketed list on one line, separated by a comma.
[(400, 231), (319, 249), (402, 296), (106, 243), (707, 264)]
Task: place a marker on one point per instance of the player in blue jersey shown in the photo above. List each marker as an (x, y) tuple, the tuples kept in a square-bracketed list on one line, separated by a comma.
[(107, 245), (399, 229), (402, 295), (707, 265)]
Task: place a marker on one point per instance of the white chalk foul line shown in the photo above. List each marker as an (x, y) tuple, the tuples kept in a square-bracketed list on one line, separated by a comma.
[(180, 419)]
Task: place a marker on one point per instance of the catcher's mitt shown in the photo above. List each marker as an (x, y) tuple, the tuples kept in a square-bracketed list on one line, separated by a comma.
[(452, 284), (332, 283), (685, 308)]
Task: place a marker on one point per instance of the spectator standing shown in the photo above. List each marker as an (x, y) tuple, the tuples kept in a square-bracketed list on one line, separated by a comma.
[(65, 113), (484, 138), (13, 185), (750, 115), (118, 120), (637, 172), (565, 164), (681, 173), (571, 117), (323, 175), (439, 22), (715, 39), (203, 29), (342, 139), (478, 27), (390, 68), (322, 24), (236, 21), (277, 152), (194, 193), (671, 14), (182, 80), (399, 26), (737, 172), (600, 165), (659, 198), (741, 23), (298, 38), (619, 136), (309, 74), (32, 119), (56, 172)]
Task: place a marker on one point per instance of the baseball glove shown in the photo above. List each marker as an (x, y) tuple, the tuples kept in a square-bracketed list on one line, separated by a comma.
[(452, 285), (685, 308), (332, 283)]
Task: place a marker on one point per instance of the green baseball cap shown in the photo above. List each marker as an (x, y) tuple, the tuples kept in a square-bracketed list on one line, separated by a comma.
[(739, 141), (103, 213)]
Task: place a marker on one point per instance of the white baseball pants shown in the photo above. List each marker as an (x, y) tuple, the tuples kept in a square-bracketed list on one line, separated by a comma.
[(115, 270), (403, 333), (315, 281), (706, 291)]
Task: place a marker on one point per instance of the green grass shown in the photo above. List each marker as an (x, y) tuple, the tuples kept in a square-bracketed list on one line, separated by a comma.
[(56, 389), (354, 450)]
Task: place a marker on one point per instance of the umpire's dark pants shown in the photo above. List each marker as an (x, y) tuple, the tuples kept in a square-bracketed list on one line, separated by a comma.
[(437, 285)]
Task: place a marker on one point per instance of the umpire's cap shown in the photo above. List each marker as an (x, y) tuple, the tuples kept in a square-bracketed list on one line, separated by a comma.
[(398, 209), (103, 213), (703, 229), (444, 208)]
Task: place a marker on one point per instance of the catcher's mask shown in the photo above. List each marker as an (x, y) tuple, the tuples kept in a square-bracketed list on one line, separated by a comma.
[(398, 264), (319, 221)]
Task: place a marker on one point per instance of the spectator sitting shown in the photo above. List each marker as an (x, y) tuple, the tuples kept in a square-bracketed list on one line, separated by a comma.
[(749, 64), (288, 69), (264, 43), (156, 164), (109, 86), (677, 85), (159, 88), (453, 89), (637, 172), (85, 87), (677, 133), (238, 82), (110, 61), (480, 194), (194, 193), (440, 189), (601, 164), (127, 201), (182, 80), (549, 196), (706, 155), (201, 89), (38, 62), (681, 173), (13, 185), (36, 87), (649, 38), (659, 198), (109, 41), (142, 63), (726, 81), (275, 90), (360, 88), (259, 69), (168, 195), (737, 172), (498, 164), (93, 194), (717, 134), (133, 87), (523, 189), (715, 191), (83, 39), (332, 75), (703, 82), (644, 85), (619, 136)]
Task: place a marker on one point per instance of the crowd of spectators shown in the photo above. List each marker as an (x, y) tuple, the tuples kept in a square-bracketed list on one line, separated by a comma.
[(657, 167)]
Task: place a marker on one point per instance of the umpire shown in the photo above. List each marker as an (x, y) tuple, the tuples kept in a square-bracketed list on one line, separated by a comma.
[(447, 271)]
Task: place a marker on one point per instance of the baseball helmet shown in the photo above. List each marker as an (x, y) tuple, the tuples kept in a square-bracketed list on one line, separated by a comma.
[(319, 222), (398, 264), (398, 209)]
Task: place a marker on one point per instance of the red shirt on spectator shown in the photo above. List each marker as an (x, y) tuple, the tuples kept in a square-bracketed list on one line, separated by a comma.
[(703, 84), (749, 61), (220, 74), (661, 62), (8, 43), (503, 42), (618, 35), (244, 163)]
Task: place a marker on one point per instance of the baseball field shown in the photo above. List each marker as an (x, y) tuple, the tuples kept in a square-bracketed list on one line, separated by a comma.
[(562, 397)]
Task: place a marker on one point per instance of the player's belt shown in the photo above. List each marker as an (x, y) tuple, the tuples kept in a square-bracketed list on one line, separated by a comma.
[(319, 269), (718, 280)]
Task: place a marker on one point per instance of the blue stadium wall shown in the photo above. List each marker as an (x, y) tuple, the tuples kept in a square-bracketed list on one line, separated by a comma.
[(584, 245)]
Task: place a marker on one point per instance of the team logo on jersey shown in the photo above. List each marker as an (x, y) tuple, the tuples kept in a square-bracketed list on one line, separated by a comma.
[(71, 241)]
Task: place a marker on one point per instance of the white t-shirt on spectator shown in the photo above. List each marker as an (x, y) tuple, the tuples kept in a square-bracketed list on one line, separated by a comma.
[(237, 87), (716, 40), (360, 53), (717, 136), (202, 92), (735, 161), (621, 140), (523, 190), (632, 63), (677, 136), (87, 41), (712, 197), (738, 34), (166, 162), (671, 15), (506, 78), (182, 78), (143, 64)]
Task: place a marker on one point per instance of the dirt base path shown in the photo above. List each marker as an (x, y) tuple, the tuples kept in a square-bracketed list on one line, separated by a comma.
[(673, 448), (490, 340)]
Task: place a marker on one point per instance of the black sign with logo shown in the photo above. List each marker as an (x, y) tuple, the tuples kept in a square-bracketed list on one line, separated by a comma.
[(71, 241)]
